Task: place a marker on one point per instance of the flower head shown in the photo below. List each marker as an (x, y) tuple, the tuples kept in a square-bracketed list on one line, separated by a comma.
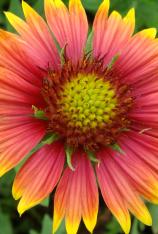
[(87, 102)]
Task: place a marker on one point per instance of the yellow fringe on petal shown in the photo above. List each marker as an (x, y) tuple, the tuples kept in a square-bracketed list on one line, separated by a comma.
[(149, 33), (27, 9), (125, 223), (72, 228), (91, 223), (57, 219), (76, 4), (145, 217), (103, 10), (105, 5), (54, 3), (14, 20), (116, 14), (130, 17)]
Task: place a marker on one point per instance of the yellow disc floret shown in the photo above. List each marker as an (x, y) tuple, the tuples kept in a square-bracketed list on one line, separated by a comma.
[(87, 102)]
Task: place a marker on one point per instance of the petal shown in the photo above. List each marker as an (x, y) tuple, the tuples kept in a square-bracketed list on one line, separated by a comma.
[(16, 90), (35, 32), (114, 36), (39, 175), (129, 19), (139, 57), (144, 109), (141, 165), (150, 33), (13, 56), (18, 136), (79, 28), (124, 186), (14, 109), (58, 19), (69, 27), (100, 25), (112, 196), (77, 196), (67, 201), (89, 194)]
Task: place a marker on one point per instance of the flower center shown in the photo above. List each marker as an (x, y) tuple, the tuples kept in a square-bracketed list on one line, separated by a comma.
[(87, 102), (86, 106)]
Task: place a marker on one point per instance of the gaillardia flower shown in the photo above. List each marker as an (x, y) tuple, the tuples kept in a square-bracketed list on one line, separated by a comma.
[(81, 105)]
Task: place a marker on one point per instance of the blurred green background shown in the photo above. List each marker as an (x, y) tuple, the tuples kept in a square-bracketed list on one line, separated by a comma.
[(38, 219)]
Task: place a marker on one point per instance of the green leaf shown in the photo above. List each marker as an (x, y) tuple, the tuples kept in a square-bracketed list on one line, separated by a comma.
[(69, 152), (154, 213), (46, 225), (89, 45), (5, 224), (39, 7), (56, 43), (47, 140), (61, 229), (92, 157), (33, 232), (39, 114), (134, 229), (62, 55), (27, 156), (117, 148), (45, 202), (113, 227), (146, 12), (14, 7), (113, 61), (91, 5)]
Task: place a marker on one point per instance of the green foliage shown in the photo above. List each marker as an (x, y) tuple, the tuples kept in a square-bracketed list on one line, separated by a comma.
[(5, 223), (113, 227), (47, 227), (154, 213), (14, 7)]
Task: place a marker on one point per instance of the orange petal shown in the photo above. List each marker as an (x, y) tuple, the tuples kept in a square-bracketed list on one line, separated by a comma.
[(16, 90), (139, 56), (89, 194), (14, 143), (142, 166), (111, 194), (79, 28), (14, 57), (35, 32), (58, 19), (129, 194), (69, 27), (100, 25), (39, 175), (114, 36), (129, 20), (77, 196)]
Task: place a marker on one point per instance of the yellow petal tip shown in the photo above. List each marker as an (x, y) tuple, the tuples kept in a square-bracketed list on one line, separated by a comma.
[(116, 14), (21, 210), (149, 33), (104, 7), (106, 4), (15, 194), (148, 220), (130, 17)]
